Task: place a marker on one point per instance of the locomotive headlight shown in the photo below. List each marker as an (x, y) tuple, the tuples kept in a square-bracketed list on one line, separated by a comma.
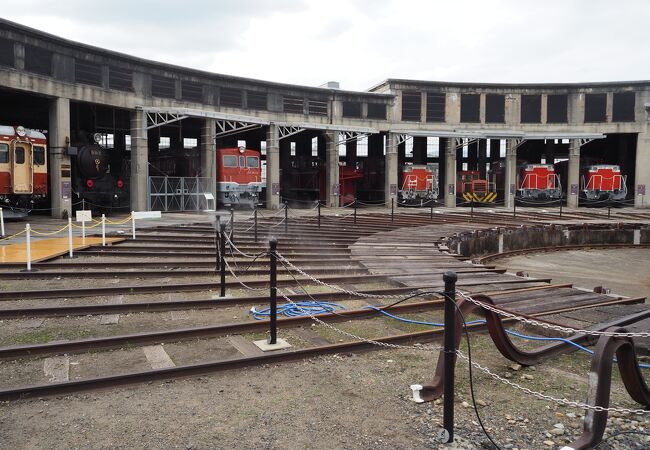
[(241, 149), (20, 131), (97, 137)]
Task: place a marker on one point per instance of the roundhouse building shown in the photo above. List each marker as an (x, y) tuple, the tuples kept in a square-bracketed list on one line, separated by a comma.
[(145, 109)]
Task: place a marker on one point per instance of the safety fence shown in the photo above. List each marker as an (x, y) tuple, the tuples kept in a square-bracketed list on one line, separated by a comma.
[(613, 340), (178, 193)]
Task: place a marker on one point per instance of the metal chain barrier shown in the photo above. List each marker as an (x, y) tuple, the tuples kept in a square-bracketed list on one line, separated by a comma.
[(550, 326), (542, 396)]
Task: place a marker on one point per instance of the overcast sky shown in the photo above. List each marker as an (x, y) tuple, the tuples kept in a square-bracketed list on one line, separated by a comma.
[(361, 42)]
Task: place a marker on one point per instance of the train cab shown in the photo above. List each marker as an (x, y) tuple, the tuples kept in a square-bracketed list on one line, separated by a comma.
[(239, 176)]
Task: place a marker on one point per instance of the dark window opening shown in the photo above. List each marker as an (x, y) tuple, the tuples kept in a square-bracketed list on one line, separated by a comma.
[(191, 91), (230, 97), (257, 100), (495, 108), (531, 109), (376, 111), (317, 107), (87, 72), (293, 104), (229, 161), (470, 108), (19, 155), (6, 52), (352, 109), (4, 153), (623, 107), (411, 106), (38, 60), (120, 79), (242, 162), (39, 155), (163, 86), (556, 108), (251, 162), (596, 108), (436, 107)]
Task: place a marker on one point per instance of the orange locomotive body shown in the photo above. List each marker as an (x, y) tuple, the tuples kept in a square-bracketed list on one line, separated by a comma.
[(23, 166), (239, 176), (472, 188), (539, 182)]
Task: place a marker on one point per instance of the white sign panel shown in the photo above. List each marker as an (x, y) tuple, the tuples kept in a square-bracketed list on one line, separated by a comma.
[(139, 215), (84, 216)]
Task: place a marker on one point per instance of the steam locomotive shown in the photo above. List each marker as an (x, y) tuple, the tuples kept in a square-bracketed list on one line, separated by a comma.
[(23, 166)]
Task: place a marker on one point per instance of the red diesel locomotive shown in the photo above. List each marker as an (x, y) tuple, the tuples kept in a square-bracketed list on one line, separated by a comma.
[(472, 188), (23, 166), (604, 182), (239, 177), (420, 183), (539, 182)]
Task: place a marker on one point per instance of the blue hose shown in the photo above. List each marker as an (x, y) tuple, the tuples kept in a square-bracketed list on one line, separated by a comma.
[(297, 310), (513, 333)]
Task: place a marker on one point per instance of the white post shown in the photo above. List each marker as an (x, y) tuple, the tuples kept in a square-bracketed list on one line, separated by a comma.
[(133, 224), (83, 231), (103, 230), (29, 247), (2, 222), (70, 235)]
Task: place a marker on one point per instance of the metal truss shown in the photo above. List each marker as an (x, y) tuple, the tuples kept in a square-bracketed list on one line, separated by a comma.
[(349, 136), (289, 130), (460, 143), (401, 138), (584, 141), (158, 119), (230, 127)]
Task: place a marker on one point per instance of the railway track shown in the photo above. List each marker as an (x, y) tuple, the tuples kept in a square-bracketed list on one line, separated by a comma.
[(362, 257)]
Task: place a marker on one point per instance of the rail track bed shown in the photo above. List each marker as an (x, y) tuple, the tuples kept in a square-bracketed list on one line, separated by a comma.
[(157, 315)]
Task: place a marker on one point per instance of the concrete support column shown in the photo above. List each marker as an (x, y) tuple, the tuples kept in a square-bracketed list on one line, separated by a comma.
[(332, 187), (450, 173), (641, 184), (272, 167), (139, 161), (573, 182), (59, 140), (390, 175), (510, 187), (209, 155)]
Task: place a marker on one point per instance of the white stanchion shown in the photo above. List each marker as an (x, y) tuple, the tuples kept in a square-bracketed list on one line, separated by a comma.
[(103, 230), (28, 233), (133, 224), (2, 222), (83, 231), (70, 236)]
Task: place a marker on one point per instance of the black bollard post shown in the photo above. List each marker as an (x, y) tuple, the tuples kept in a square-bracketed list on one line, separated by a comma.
[(450, 279), (232, 224), (514, 207), (222, 258), (217, 246), (273, 257), (560, 207), (471, 208), (392, 209), (319, 214), (286, 218), (431, 211), (255, 223), (355, 211), (609, 209)]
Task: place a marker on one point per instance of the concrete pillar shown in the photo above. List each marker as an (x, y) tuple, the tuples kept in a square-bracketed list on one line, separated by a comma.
[(59, 140), (332, 187), (510, 187), (641, 181), (272, 167), (573, 182), (450, 173), (390, 175), (139, 161), (209, 155)]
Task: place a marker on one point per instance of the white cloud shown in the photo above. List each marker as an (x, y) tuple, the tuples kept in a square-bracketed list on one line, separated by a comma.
[(360, 43)]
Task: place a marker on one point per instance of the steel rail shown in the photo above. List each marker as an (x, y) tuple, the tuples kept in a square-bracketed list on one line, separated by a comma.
[(555, 248)]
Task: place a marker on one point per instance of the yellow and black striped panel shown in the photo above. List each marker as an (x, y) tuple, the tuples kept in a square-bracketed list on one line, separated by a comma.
[(488, 197)]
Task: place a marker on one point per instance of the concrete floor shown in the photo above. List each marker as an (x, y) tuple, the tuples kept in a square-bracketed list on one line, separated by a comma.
[(624, 271)]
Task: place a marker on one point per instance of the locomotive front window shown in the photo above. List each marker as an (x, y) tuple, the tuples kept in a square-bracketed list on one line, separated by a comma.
[(20, 155), (229, 161), (251, 162), (4, 153), (39, 155)]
